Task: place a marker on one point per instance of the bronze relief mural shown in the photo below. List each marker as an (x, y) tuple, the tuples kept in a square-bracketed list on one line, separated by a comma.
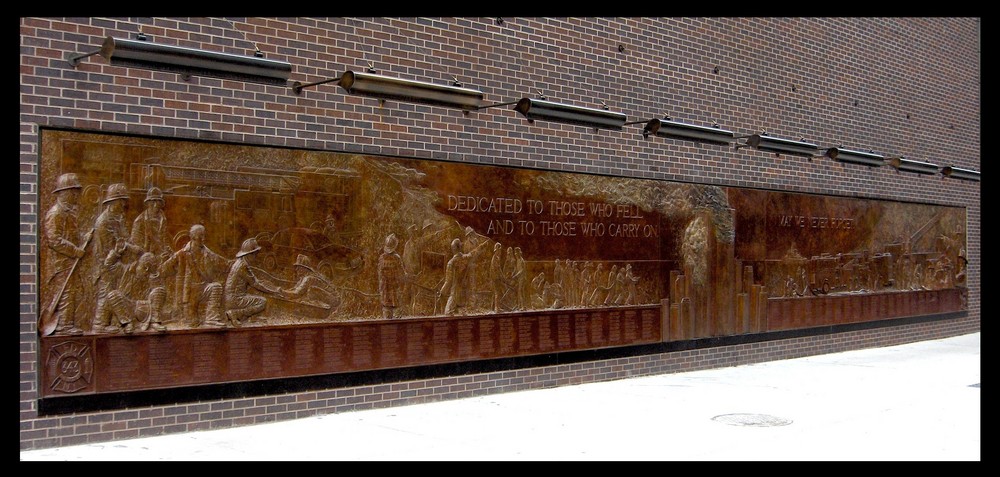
[(149, 241), (144, 237)]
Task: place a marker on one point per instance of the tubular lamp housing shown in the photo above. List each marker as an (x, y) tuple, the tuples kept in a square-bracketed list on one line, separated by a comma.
[(189, 61), (776, 145), (909, 165), (957, 173), (855, 157), (539, 109), (385, 87), (675, 130)]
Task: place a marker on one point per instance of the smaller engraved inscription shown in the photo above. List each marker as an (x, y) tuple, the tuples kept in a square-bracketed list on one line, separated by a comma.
[(631, 327), (240, 355), (545, 341), (203, 350), (389, 354), (614, 327), (465, 337), (305, 349), (525, 342), (507, 335), (272, 353), (439, 341), (648, 324), (822, 310), (164, 366), (416, 348), (580, 339), (333, 349), (126, 373), (565, 339), (596, 329), (361, 346), (486, 336)]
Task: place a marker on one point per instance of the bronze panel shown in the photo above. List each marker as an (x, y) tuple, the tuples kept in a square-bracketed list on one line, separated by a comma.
[(171, 262), (788, 313), (114, 363)]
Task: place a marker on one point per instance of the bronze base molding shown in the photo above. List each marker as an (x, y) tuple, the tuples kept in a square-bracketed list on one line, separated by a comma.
[(153, 360)]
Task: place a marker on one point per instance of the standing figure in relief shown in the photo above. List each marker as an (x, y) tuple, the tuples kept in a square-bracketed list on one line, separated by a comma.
[(586, 283), (570, 279), (619, 287), (631, 286), (508, 297), (520, 280), (595, 297), (611, 287), (413, 250), (149, 229), (62, 236), (199, 273), (456, 277), (391, 276), (496, 275), (538, 299), (472, 246)]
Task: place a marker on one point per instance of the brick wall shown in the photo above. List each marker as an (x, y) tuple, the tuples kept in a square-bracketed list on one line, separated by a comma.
[(908, 86)]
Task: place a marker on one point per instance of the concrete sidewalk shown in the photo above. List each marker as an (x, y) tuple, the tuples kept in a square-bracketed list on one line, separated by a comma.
[(914, 402)]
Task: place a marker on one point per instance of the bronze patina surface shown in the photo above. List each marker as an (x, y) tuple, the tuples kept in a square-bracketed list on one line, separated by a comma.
[(168, 262)]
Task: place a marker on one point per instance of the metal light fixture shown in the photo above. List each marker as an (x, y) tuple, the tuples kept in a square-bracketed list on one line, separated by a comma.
[(389, 88), (855, 157), (957, 173), (456, 96), (776, 145), (903, 164), (541, 109), (674, 130), (188, 61)]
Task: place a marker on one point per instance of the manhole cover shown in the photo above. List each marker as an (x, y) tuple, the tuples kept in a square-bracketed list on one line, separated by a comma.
[(752, 420)]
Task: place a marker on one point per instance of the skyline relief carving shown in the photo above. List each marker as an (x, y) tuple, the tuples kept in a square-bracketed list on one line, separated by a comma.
[(146, 236)]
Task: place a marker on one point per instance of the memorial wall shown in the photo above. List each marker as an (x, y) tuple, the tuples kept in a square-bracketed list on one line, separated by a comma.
[(167, 263), (230, 221)]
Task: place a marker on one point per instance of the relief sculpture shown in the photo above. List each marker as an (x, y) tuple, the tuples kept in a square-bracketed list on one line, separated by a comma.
[(831, 246), (198, 274), (391, 274), (166, 263), (153, 236), (114, 253), (67, 247), (312, 289)]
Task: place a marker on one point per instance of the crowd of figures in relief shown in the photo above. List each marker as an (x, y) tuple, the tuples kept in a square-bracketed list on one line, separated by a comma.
[(269, 237), (137, 282)]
